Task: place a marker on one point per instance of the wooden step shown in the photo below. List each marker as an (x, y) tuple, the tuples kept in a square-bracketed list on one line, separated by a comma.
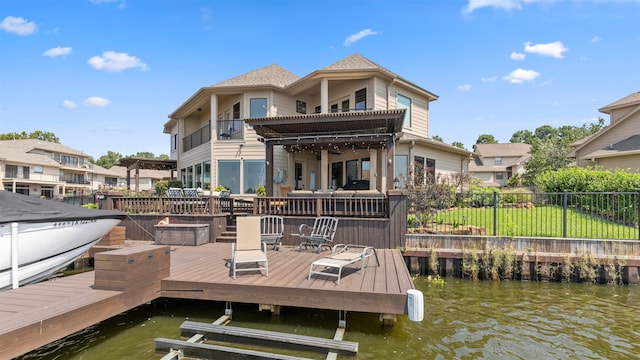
[(226, 239)]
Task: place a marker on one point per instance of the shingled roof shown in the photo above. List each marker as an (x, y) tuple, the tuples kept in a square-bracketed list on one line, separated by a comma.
[(631, 99), (272, 75)]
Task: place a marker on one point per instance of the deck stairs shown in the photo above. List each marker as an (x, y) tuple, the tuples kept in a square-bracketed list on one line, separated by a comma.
[(227, 236)]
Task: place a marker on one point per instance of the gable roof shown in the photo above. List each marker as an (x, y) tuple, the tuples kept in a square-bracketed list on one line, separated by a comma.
[(628, 146), (502, 150), (272, 75), (28, 145), (629, 100)]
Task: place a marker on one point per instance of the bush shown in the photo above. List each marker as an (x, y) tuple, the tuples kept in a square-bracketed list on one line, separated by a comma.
[(163, 185)]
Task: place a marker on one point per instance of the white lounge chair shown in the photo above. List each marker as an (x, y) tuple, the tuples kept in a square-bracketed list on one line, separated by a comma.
[(248, 248), (321, 234), (343, 255)]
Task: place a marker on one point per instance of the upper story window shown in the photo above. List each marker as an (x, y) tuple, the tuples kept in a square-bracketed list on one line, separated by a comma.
[(301, 107), (174, 142), (361, 99), (38, 169), (405, 103), (333, 108), (317, 109), (236, 111), (345, 105), (258, 107), (498, 160)]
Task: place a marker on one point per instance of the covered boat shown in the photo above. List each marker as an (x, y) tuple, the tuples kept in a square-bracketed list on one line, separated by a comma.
[(40, 237)]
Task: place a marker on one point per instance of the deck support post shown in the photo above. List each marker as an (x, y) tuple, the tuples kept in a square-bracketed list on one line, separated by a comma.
[(632, 275), (275, 309), (449, 267), (342, 319), (227, 309), (414, 267), (388, 319)]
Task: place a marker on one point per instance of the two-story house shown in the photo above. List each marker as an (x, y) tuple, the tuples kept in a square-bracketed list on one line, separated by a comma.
[(618, 145), (496, 163), (47, 169), (352, 120)]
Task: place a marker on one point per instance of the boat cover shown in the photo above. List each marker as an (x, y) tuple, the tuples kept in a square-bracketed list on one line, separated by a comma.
[(24, 208)]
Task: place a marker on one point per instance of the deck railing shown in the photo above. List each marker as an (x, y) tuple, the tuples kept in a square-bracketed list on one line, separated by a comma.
[(300, 206)]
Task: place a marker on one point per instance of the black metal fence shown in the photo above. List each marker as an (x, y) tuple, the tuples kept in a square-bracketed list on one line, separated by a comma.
[(593, 215)]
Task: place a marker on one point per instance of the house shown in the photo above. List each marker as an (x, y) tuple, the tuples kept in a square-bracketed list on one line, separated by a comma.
[(146, 178), (352, 120), (47, 169), (617, 146), (496, 163)]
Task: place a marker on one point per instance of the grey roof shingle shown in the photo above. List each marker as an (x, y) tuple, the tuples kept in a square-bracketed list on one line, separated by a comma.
[(504, 150), (273, 75), (631, 99)]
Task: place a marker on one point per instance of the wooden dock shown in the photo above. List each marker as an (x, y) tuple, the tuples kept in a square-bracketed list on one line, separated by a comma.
[(35, 315)]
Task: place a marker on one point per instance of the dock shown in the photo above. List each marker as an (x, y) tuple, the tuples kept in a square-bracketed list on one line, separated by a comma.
[(38, 314)]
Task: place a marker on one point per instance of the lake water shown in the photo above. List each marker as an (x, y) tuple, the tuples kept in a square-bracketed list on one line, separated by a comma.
[(463, 320)]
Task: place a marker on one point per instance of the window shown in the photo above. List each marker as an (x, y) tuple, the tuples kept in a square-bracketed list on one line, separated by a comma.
[(334, 108), (365, 169), (400, 169), (345, 106), (236, 111), (253, 175), (498, 160), (38, 169), (352, 170), (174, 142), (424, 169), (405, 103), (336, 175), (258, 107), (206, 175), (361, 99), (499, 176), (301, 107), (198, 176), (25, 172), (11, 171), (229, 175), (189, 182), (317, 109)]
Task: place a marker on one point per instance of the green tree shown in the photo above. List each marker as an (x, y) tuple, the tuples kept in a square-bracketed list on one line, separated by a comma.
[(37, 134), (108, 160), (458, 144), (486, 139), (522, 136), (437, 138), (144, 154)]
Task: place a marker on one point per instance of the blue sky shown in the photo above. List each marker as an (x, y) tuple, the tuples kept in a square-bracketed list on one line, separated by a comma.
[(104, 75)]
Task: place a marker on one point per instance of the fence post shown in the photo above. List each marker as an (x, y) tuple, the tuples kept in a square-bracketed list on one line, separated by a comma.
[(638, 213), (495, 213), (564, 214)]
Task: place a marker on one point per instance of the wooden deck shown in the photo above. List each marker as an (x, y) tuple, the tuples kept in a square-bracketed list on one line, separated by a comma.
[(203, 272), (35, 315)]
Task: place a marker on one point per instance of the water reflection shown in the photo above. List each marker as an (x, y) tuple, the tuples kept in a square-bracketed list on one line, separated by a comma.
[(463, 320)]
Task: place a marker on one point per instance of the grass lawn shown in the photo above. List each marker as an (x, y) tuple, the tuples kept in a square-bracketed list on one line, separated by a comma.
[(541, 221)]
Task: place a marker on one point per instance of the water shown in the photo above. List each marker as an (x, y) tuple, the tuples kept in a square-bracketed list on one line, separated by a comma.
[(463, 320)]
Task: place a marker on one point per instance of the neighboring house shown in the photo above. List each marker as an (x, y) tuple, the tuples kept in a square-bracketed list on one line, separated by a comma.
[(496, 163), (618, 145), (147, 178), (348, 121), (47, 169)]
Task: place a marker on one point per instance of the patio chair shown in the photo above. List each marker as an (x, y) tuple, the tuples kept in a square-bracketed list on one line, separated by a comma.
[(341, 256), (248, 248), (321, 234), (272, 230)]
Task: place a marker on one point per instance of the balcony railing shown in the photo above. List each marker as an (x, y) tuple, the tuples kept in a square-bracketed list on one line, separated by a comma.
[(230, 129), (197, 138)]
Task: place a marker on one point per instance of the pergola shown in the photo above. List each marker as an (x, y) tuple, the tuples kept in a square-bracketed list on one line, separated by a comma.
[(138, 163), (322, 134)]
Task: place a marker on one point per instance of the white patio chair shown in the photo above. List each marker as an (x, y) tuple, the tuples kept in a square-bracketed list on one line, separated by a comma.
[(248, 248)]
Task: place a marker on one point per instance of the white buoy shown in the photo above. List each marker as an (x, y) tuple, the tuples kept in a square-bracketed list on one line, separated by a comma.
[(415, 305)]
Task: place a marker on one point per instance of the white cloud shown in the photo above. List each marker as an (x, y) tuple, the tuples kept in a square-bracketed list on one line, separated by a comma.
[(68, 104), (96, 101), (464, 87), (121, 3), (517, 56), (490, 79), (518, 76), (596, 39), (18, 25), (498, 4), (554, 49), (358, 36), (57, 51), (116, 62)]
